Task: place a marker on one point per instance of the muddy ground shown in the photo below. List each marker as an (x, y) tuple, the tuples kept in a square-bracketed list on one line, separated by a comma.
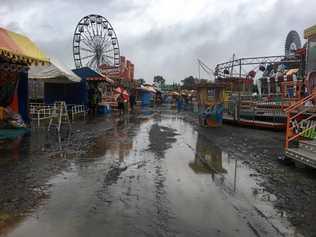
[(153, 175), (295, 188)]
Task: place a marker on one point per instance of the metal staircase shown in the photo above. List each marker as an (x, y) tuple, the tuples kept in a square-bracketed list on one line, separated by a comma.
[(300, 139)]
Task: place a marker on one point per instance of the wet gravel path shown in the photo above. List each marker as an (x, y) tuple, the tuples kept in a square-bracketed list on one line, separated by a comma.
[(154, 175)]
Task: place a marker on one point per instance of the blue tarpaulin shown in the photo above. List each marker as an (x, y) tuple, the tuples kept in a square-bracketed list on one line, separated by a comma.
[(86, 72), (146, 97)]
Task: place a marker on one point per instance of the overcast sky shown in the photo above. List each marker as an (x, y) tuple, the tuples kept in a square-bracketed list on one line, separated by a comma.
[(165, 37)]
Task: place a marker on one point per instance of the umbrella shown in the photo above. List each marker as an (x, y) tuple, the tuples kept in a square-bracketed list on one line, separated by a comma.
[(174, 93), (125, 92), (119, 90), (125, 95)]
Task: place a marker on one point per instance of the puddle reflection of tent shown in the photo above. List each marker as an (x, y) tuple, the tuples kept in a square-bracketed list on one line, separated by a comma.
[(208, 164), (208, 158), (114, 147), (198, 167)]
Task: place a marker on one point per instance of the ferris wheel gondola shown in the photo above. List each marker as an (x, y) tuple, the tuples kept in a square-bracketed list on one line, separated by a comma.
[(95, 44)]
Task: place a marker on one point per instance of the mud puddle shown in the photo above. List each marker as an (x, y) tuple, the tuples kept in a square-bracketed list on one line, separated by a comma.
[(157, 177)]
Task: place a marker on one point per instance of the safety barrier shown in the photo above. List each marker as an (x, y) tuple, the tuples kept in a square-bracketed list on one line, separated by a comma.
[(40, 112), (255, 110), (76, 110), (301, 119)]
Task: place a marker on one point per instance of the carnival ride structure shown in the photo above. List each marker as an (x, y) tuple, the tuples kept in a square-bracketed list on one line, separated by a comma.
[(95, 44), (300, 136), (275, 89)]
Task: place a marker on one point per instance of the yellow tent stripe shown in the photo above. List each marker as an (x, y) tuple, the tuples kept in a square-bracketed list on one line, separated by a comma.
[(28, 51)]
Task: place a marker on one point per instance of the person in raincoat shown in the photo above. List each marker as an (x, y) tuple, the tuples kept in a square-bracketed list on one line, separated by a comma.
[(92, 95)]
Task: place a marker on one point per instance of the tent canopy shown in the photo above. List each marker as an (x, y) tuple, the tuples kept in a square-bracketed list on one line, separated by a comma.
[(89, 74), (19, 47), (147, 88), (53, 73)]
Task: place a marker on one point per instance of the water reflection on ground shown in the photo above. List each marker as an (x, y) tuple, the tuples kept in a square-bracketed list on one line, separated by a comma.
[(153, 176)]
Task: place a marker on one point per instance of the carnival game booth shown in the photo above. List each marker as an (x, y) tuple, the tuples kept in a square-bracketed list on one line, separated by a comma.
[(56, 81), (50, 84), (96, 86), (146, 95), (170, 99), (210, 98), (17, 53), (243, 85), (209, 94)]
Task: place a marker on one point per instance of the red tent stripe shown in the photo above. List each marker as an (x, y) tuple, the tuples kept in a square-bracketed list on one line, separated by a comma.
[(7, 43)]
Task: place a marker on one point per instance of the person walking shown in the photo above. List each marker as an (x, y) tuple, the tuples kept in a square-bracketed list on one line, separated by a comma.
[(120, 104), (132, 100), (92, 101)]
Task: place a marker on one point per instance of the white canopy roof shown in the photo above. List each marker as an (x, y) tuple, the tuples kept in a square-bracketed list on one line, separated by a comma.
[(54, 73), (148, 88)]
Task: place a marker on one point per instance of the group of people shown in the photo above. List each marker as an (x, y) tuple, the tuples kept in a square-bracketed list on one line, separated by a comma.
[(123, 101)]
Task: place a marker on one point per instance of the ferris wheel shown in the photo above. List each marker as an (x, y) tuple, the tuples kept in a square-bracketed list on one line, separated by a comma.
[(95, 44)]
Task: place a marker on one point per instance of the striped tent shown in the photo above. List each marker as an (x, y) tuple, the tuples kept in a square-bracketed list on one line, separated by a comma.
[(17, 52), (20, 48)]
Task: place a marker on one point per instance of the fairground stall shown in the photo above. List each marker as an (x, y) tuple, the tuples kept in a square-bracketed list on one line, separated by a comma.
[(58, 83), (51, 84), (146, 95), (17, 53), (210, 97), (98, 89)]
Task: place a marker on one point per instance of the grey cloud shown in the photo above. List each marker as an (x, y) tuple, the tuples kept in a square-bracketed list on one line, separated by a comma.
[(172, 49)]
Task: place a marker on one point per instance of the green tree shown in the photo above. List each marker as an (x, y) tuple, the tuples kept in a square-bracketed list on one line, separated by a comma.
[(159, 80), (189, 82), (141, 81)]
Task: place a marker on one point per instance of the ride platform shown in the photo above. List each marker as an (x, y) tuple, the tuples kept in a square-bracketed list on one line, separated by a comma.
[(254, 123), (305, 153)]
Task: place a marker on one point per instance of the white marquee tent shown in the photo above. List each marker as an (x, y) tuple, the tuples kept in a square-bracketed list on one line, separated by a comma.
[(53, 73)]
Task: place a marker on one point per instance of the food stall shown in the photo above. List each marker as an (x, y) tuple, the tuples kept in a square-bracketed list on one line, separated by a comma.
[(210, 97), (96, 83)]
